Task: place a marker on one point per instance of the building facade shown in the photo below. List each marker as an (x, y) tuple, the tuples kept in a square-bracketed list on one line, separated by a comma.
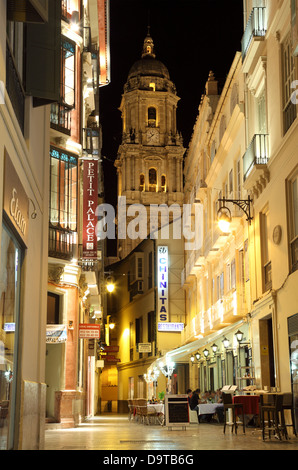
[(75, 307), (24, 170), (241, 159)]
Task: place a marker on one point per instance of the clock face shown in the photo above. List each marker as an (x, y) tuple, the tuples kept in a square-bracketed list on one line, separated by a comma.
[(152, 137)]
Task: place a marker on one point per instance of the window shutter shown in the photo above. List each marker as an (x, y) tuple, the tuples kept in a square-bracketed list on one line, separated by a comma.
[(35, 11), (43, 57)]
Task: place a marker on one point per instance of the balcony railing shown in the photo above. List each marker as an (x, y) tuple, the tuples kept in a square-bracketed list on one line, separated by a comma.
[(15, 89), (256, 154), (256, 27), (61, 118), (61, 243)]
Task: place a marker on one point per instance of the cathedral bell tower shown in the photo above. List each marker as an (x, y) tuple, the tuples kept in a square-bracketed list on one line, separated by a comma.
[(149, 161)]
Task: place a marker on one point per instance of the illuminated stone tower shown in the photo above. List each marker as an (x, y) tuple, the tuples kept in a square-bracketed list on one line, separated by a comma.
[(149, 161)]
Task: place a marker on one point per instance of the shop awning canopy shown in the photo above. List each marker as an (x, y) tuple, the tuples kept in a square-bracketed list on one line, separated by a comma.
[(182, 353)]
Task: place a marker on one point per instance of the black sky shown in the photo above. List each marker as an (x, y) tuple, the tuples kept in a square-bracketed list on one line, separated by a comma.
[(191, 37)]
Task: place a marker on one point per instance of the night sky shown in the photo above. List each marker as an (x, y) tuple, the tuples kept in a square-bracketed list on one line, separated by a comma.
[(191, 37)]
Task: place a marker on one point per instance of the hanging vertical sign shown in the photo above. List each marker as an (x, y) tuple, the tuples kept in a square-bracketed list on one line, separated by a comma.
[(162, 283), (90, 200)]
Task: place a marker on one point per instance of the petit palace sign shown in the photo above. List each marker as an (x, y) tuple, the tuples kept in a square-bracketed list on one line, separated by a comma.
[(15, 199)]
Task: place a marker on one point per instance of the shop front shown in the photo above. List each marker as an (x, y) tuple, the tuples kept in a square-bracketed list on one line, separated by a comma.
[(13, 245)]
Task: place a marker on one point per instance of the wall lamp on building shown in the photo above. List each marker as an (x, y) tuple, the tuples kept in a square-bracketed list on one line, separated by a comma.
[(226, 343), (239, 336), (192, 359), (214, 348), (224, 216), (198, 356), (110, 283), (206, 353)]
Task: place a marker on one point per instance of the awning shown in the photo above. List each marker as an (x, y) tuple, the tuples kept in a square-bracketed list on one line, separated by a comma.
[(182, 353)]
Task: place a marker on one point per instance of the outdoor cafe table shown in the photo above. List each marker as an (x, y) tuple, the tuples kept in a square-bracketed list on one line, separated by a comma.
[(208, 408), (250, 404), (157, 407)]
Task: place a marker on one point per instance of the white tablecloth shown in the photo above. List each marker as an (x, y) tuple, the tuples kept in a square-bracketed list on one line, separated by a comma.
[(208, 408), (158, 407)]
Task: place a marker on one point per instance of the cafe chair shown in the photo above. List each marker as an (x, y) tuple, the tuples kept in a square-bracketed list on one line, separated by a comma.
[(287, 404), (271, 405), (228, 404)]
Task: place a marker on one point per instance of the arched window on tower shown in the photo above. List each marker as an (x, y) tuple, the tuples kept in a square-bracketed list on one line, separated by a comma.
[(142, 182), (163, 184), (151, 117), (152, 180)]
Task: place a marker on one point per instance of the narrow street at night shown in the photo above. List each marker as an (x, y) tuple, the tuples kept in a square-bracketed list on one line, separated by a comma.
[(149, 228)]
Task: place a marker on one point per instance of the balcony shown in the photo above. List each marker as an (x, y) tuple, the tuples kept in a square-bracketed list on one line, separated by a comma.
[(255, 159), (61, 118), (61, 243), (255, 32)]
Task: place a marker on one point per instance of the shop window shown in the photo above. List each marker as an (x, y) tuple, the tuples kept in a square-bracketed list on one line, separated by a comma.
[(152, 180), (11, 259)]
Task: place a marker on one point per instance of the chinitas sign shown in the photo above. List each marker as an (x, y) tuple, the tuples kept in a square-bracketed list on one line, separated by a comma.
[(162, 283), (90, 200)]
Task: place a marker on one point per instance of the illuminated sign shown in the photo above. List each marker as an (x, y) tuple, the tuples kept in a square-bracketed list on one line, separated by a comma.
[(9, 327), (173, 327), (162, 284), (90, 200), (89, 331)]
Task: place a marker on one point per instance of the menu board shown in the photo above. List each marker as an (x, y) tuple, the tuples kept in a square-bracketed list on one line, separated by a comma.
[(176, 410)]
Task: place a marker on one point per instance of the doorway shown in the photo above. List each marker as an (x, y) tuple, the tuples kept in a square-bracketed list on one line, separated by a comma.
[(267, 352)]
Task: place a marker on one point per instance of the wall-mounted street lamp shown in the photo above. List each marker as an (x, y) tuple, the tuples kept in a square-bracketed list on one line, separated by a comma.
[(198, 356), (206, 353), (214, 348), (226, 343), (224, 216), (192, 359)]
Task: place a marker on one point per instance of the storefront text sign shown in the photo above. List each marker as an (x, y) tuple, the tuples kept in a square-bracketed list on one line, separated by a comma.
[(162, 284), (90, 200), (173, 327), (16, 202), (89, 331), (56, 334)]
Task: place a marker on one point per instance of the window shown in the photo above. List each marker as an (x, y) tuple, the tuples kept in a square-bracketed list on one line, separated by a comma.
[(238, 195), (150, 269), (150, 327), (288, 71), (61, 112), (152, 86), (266, 263), (53, 317), (231, 183), (63, 202), (163, 183), (152, 117), (142, 183), (152, 180), (293, 221)]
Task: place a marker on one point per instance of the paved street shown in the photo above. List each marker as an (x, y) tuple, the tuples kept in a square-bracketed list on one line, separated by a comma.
[(115, 432)]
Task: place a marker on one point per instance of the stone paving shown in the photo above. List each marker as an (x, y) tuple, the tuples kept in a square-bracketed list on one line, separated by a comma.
[(115, 432)]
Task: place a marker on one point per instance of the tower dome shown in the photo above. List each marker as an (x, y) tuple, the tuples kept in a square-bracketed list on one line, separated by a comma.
[(148, 65)]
